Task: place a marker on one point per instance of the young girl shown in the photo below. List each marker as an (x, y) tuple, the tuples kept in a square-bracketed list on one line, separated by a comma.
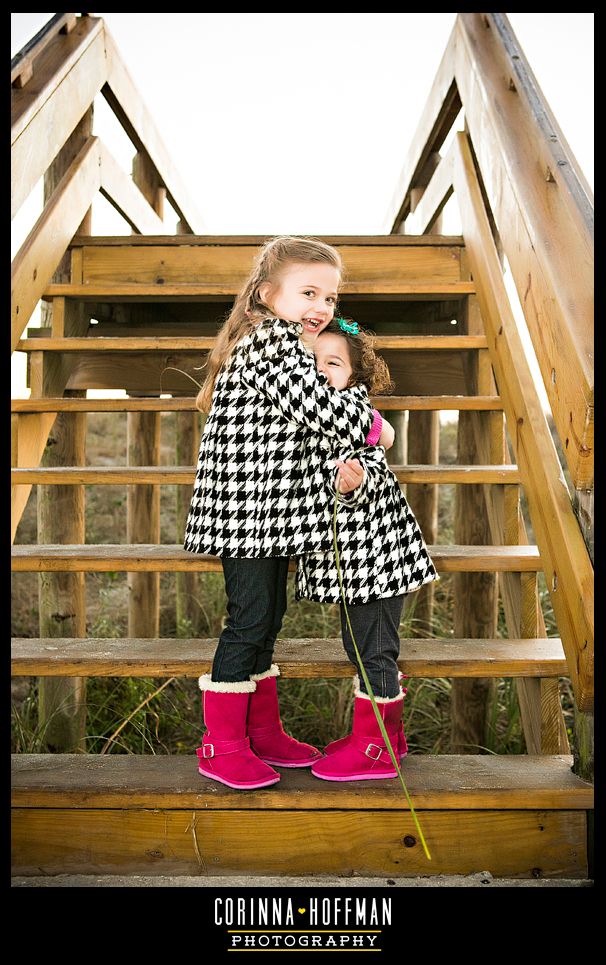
[(382, 556), (256, 502)]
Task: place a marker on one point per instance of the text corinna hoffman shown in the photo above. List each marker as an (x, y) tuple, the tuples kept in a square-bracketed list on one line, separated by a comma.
[(304, 912)]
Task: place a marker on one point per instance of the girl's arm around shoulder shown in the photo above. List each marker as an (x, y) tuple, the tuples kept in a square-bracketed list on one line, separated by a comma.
[(277, 365)]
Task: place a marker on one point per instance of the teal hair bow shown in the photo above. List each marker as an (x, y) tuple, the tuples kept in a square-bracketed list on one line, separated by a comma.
[(351, 327)]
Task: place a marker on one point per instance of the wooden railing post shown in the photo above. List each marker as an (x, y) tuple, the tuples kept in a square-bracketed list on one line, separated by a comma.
[(62, 602), (475, 605), (186, 454), (143, 523), (423, 449)]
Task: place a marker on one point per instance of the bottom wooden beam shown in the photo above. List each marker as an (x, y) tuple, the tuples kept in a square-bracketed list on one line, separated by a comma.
[(517, 844)]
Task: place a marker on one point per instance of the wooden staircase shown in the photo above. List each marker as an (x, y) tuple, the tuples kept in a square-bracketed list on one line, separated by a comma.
[(135, 313)]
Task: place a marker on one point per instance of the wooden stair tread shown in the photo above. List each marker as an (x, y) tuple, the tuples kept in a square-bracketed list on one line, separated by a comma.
[(172, 781), (192, 241), (109, 292), (188, 404), (300, 658), (147, 557), (92, 343), (185, 475)]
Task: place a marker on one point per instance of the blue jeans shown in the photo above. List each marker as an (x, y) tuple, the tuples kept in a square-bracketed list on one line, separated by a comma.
[(375, 628), (256, 604)]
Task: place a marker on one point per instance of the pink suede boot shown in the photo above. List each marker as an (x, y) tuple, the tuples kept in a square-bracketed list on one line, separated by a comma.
[(402, 748), (365, 756), (267, 736), (225, 755)]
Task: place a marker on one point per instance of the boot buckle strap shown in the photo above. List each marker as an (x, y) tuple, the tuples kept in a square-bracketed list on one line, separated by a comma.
[(379, 750), (223, 747)]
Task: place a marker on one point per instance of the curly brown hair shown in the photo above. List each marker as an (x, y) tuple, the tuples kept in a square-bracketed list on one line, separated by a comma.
[(368, 368)]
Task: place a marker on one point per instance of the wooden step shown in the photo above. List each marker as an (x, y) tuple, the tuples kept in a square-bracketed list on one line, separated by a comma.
[(302, 658), (111, 291), (511, 815), (225, 241), (211, 268), (185, 475), (91, 343), (153, 558), (441, 403)]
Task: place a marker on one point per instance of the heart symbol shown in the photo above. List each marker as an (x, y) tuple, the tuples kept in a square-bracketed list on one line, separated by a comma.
[(301, 910)]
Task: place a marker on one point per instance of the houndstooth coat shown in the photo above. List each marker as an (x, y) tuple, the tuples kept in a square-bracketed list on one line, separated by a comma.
[(256, 494), (381, 548)]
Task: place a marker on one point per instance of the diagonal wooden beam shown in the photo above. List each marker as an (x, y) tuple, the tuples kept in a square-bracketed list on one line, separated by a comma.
[(568, 569), (37, 259)]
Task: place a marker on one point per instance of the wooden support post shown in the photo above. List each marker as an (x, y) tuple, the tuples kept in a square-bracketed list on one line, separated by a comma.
[(475, 605), (186, 454), (143, 523), (62, 600), (147, 180), (398, 454), (424, 449)]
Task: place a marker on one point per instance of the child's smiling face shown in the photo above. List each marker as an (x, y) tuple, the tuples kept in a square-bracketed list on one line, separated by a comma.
[(306, 293), (332, 359)]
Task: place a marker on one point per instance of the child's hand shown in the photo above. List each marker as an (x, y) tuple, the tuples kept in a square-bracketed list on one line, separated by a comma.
[(349, 476)]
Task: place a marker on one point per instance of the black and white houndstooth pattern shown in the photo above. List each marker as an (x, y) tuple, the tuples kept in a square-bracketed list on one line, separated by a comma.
[(256, 493), (382, 552)]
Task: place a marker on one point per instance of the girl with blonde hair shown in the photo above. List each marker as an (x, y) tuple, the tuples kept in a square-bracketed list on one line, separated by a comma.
[(258, 500)]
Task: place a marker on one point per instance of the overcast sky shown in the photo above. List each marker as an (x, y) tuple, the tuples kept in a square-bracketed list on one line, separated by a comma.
[(301, 122)]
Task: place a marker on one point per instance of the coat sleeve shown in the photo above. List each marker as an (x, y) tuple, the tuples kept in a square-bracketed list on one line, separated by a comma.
[(277, 366), (375, 474)]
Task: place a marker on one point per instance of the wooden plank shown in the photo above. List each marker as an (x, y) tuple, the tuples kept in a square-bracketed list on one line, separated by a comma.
[(441, 402), (143, 523), (114, 292), (22, 63), (167, 344), (435, 196), (545, 222), (41, 252), (185, 475), (231, 265), (482, 782), (568, 569), (126, 102), (439, 114), (303, 658), (69, 74), (121, 557), (195, 240), (125, 197), (32, 430), (62, 596), (510, 843)]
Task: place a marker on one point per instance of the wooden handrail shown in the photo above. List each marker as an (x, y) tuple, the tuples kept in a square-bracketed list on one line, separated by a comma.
[(48, 103), (70, 71), (568, 569), (536, 193), (23, 61)]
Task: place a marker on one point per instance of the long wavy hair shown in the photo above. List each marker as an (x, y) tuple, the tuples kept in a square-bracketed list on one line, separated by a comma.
[(368, 368), (248, 310)]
